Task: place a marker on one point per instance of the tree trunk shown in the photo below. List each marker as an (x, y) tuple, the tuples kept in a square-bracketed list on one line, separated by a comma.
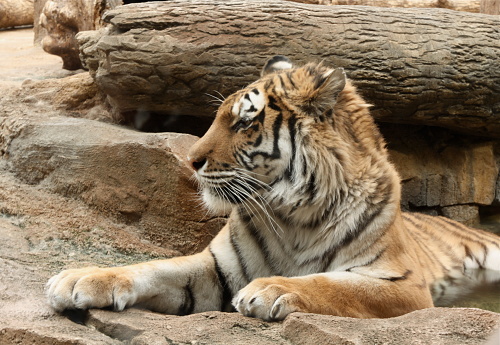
[(458, 5), (490, 6), (422, 66), (59, 21), (16, 13)]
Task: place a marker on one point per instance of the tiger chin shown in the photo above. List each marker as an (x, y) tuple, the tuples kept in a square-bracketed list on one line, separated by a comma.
[(315, 223)]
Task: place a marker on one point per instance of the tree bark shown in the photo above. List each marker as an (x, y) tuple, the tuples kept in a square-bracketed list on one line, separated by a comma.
[(421, 66), (458, 5), (16, 13), (59, 21), (490, 6)]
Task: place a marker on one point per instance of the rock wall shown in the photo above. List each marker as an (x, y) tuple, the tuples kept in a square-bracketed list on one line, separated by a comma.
[(444, 173)]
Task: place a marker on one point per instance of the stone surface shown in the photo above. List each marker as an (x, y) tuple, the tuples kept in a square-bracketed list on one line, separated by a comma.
[(76, 94), (138, 178), (466, 214), (439, 169), (417, 66), (429, 326)]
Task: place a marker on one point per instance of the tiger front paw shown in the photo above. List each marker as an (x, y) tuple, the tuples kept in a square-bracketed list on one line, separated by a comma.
[(90, 288), (268, 299)]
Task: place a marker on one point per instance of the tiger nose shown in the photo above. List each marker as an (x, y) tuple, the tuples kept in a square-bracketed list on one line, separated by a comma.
[(196, 163)]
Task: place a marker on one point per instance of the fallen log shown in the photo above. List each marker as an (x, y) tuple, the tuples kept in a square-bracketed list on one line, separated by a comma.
[(58, 21), (16, 13), (490, 6), (421, 66), (457, 5)]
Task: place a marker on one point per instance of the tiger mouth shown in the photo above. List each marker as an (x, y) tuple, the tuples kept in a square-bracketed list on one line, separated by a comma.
[(235, 190)]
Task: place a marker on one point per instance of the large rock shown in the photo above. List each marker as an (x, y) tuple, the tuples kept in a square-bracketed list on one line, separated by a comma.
[(138, 178), (418, 66), (444, 172), (429, 326)]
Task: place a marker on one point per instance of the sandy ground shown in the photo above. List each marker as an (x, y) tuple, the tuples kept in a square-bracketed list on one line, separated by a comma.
[(20, 59)]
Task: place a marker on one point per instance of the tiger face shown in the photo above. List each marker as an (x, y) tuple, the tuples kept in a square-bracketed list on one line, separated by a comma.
[(255, 139)]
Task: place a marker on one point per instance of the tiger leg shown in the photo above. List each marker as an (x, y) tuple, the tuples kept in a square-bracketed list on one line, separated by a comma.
[(334, 293), (175, 286)]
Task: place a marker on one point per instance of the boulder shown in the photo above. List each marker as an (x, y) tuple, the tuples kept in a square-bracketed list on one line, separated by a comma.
[(76, 95), (429, 326), (137, 178), (449, 174)]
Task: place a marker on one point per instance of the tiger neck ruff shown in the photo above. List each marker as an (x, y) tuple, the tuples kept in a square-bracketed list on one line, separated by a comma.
[(315, 222)]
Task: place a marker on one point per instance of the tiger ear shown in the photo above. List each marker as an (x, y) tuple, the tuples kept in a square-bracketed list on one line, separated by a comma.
[(327, 87), (275, 64)]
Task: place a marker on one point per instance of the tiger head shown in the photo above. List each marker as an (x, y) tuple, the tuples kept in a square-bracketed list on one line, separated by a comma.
[(294, 140)]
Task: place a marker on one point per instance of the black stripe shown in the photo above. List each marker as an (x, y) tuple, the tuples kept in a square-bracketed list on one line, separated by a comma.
[(433, 260), (449, 250), (469, 254), (226, 295), (292, 130), (276, 153), (283, 86), (363, 224), (273, 104), (189, 302), (403, 277), (258, 141), (369, 262), (263, 247), (239, 158), (290, 79), (261, 116), (241, 259), (311, 187), (468, 232), (267, 85)]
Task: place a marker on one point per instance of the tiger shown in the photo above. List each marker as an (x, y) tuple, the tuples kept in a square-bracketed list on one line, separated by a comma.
[(315, 223)]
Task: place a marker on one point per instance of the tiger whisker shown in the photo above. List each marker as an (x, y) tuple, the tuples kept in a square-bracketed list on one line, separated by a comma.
[(266, 213), (221, 95), (243, 174), (215, 98), (261, 206)]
